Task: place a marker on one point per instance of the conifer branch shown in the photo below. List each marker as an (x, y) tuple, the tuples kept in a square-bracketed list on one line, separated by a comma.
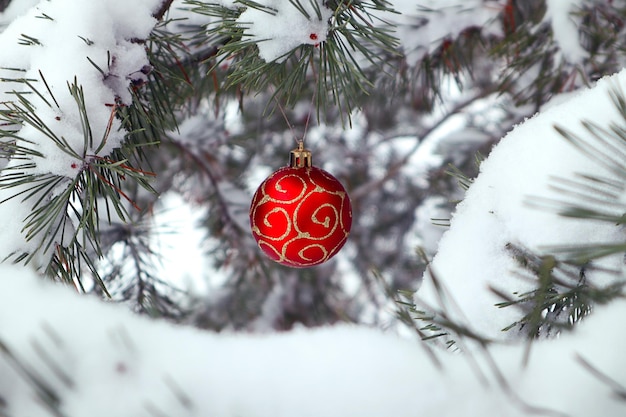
[(365, 189), (355, 36)]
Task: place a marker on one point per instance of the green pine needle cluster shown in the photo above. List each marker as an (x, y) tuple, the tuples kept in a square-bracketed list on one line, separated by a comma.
[(335, 67)]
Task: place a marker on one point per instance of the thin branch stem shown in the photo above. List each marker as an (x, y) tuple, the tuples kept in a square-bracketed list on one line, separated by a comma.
[(165, 6), (366, 189), (214, 181)]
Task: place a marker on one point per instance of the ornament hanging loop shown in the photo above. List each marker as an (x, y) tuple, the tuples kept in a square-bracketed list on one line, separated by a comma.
[(300, 157)]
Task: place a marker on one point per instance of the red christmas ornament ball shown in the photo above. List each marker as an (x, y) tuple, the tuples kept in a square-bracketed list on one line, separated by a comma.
[(300, 215)]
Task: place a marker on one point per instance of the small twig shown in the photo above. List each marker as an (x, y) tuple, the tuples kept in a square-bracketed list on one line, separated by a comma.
[(158, 15), (3, 5), (204, 168), (366, 189)]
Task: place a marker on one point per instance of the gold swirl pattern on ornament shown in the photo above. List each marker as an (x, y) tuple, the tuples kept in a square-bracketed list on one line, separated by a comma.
[(314, 219), (278, 188), (326, 222), (272, 199), (326, 215), (268, 223), (314, 245), (341, 194), (269, 246)]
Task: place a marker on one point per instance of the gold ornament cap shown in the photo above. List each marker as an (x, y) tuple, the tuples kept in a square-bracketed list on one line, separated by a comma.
[(300, 157)]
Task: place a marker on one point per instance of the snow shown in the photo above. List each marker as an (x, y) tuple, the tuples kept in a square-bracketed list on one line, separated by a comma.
[(428, 226), (423, 25), (116, 363), (277, 27), (500, 208), (14, 10), (446, 19), (280, 27), (565, 28), (176, 223)]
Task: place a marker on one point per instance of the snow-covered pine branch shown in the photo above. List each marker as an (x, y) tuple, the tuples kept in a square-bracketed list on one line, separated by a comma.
[(533, 174), (52, 351), (64, 80)]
